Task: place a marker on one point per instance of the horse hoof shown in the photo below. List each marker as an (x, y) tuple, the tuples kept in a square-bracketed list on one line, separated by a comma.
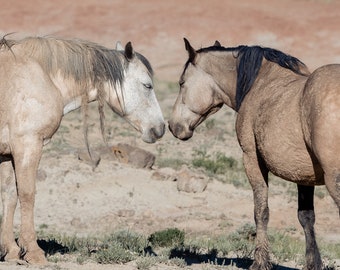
[(35, 258), (17, 262), (13, 255)]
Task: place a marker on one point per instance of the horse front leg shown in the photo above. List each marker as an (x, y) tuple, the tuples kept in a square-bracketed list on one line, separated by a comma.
[(27, 154), (258, 177), (9, 248), (306, 218)]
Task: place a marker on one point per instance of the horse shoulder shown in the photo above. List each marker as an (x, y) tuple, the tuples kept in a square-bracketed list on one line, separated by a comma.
[(31, 103)]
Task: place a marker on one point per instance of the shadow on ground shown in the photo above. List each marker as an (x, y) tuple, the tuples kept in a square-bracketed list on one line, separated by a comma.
[(190, 257), (52, 247), (194, 258)]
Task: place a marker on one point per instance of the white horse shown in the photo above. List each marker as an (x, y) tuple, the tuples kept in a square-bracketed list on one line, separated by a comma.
[(42, 79)]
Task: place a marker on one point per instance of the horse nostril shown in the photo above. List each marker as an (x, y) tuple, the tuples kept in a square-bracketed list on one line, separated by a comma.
[(176, 129), (158, 132)]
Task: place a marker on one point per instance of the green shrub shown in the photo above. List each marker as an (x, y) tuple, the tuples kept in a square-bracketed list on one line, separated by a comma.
[(131, 241), (218, 164), (285, 247), (167, 238), (114, 253), (121, 247), (174, 163)]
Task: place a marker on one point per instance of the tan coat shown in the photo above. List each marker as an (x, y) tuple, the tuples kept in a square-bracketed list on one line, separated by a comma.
[(287, 124)]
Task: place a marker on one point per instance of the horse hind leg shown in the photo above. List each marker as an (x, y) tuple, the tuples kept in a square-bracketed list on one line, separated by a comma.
[(10, 251), (306, 218)]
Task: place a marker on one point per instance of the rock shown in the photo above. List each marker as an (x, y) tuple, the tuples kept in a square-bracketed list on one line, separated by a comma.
[(164, 174), (191, 182), (126, 213), (133, 155), (122, 152)]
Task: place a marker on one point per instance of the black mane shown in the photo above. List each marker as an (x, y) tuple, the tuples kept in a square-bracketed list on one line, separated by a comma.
[(249, 64)]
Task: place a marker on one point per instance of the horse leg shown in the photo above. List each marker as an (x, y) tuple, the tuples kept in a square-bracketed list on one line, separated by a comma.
[(306, 218), (333, 186), (258, 177), (27, 154), (9, 248)]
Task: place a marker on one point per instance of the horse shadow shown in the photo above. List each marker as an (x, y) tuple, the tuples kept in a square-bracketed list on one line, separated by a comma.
[(191, 257), (51, 247)]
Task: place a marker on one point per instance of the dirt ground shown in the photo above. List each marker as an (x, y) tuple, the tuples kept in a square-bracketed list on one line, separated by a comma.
[(72, 198)]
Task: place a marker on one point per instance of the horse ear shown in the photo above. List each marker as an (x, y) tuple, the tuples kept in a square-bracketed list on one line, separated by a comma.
[(191, 51), (217, 43), (129, 52), (119, 46)]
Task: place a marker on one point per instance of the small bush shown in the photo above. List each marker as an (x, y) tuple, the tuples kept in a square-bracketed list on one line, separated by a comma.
[(114, 253), (174, 163), (128, 240), (285, 247), (218, 164), (121, 247), (145, 263), (167, 238)]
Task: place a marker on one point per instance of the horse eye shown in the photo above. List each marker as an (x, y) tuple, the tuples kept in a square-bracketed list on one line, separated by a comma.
[(147, 86), (181, 83)]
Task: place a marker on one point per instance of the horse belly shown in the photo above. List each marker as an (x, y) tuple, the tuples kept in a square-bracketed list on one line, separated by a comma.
[(293, 165), (285, 153)]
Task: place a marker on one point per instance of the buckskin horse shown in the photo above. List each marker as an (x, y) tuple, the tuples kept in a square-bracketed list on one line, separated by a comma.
[(287, 123)]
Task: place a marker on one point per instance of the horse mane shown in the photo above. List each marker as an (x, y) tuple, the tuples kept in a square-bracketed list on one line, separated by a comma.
[(250, 61), (88, 63)]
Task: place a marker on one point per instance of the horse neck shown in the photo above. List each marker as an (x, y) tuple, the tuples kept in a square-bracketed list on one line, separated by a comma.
[(73, 94), (223, 71), (273, 80), (272, 73)]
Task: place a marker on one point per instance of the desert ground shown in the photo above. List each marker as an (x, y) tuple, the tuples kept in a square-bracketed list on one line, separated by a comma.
[(74, 198)]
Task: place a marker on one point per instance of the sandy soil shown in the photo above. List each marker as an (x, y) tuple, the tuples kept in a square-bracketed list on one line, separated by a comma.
[(72, 198)]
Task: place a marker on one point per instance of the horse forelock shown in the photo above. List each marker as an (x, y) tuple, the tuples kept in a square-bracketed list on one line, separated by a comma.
[(146, 63)]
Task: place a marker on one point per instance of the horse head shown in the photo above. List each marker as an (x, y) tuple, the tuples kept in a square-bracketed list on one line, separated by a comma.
[(198, 96), (134, 99)]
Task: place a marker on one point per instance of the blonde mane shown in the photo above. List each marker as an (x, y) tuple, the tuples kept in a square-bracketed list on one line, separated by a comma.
[(88, 63)]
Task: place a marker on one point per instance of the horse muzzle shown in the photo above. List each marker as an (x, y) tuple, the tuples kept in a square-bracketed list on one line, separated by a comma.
[(179, 131), (154, 134)]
